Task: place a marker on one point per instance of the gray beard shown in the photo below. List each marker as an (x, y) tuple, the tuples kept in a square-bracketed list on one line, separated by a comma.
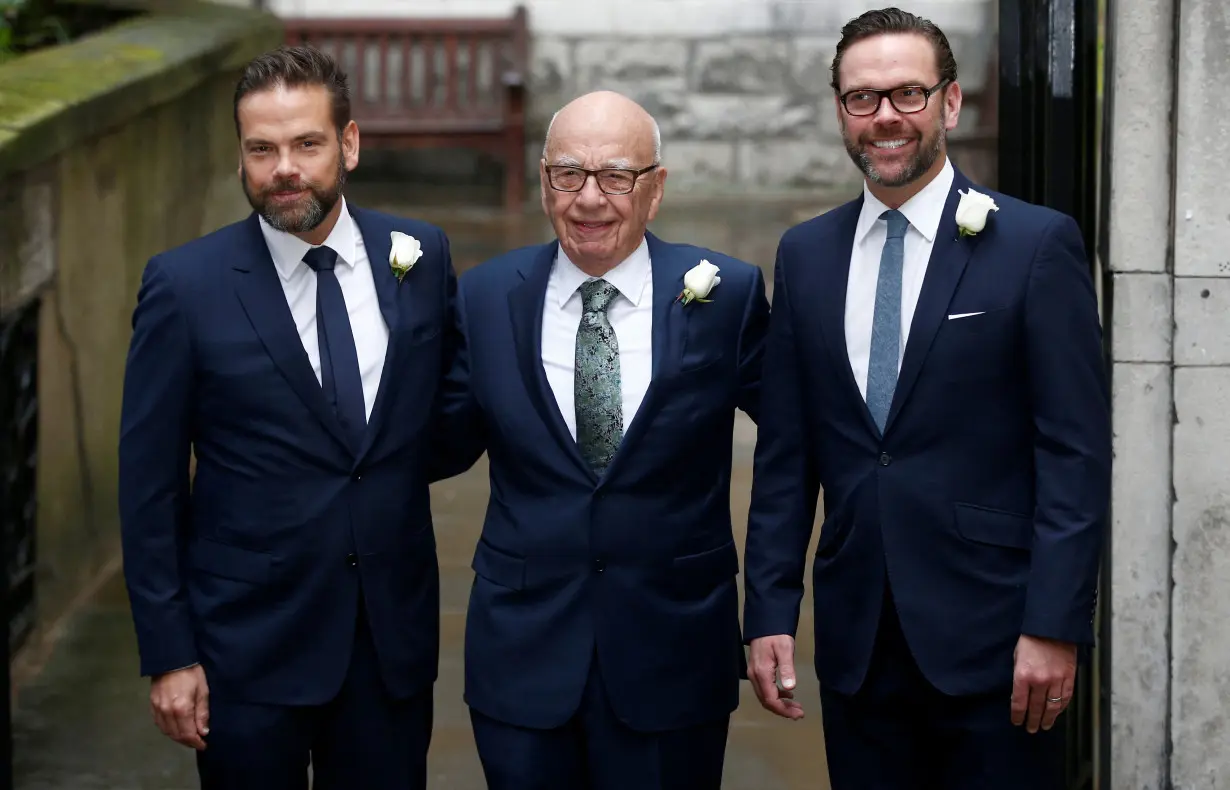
[(317, 209), (921, 163)]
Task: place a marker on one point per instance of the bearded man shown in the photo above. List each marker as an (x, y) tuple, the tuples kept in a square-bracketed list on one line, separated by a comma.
[(286, 596), (934, 363)]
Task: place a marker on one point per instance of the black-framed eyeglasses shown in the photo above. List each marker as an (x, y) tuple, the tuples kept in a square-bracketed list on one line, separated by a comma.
[(907, 99), (611, 180)]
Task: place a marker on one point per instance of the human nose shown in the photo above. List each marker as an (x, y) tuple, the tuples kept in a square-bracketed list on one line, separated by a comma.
[(286, 166), (887, 113), (591, 194)]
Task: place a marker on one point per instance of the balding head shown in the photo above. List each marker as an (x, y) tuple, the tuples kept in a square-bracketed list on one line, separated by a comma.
[(605, 113), (601, 177)]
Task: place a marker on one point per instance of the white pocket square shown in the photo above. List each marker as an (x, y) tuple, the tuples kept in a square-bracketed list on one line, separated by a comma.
[(964, 315)]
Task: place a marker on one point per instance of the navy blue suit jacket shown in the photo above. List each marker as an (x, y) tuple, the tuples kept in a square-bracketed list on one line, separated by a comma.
[(640, 564), (986, 497), (253, 566)]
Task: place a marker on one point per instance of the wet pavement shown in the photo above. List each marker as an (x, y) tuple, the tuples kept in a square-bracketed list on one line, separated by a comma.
[(83, 722)]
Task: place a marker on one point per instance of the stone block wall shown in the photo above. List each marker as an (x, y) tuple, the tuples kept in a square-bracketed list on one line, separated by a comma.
[(1169, 254), (740, 88)]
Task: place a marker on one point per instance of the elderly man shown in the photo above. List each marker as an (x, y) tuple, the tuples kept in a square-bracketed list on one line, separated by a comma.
[(935, 365), (601, 373)]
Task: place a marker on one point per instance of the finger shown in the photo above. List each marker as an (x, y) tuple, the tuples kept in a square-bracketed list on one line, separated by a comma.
[(762, 683), (185, 724), (1069, 687), (1037, 706), (162, 721), (202, 713), (784, 707), (776, 701), (1055, 703), (1020, 700), (785, 665)]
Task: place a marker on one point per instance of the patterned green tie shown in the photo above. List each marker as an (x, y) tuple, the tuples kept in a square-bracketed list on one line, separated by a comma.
[(596, 389)]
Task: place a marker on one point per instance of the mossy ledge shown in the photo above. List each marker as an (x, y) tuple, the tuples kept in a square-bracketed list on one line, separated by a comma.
[(54, 98)]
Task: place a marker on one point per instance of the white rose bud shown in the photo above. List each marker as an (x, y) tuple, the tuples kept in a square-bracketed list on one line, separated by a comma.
[(701, 279), (404, 252), (972, 211)]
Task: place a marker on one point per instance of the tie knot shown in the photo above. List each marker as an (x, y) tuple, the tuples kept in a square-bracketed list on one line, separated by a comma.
[(320, 259), (897, 223), (597, 295)]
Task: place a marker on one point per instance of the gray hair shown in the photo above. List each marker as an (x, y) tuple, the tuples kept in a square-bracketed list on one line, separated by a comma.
[(657, 138)]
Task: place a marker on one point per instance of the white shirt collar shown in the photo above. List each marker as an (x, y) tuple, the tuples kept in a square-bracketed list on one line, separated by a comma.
[(629, 277), (288, 250), (923, 211)]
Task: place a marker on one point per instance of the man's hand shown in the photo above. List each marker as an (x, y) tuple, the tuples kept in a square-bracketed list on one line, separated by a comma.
[(180, 702), (771, 656), (1045, 671)]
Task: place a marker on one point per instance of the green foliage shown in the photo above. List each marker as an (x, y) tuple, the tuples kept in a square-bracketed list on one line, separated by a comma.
[(26, 25)]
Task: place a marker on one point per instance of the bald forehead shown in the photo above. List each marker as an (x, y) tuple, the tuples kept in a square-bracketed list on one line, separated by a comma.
[(607, 130)]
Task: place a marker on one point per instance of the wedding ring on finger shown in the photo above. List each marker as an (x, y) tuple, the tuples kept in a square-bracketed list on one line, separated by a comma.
[(1054, 699)]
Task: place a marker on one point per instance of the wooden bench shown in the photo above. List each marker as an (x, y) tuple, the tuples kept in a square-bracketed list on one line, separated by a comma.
[(434, 83)]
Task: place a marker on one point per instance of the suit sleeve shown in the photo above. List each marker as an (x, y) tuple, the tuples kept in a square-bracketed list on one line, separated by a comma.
[(785, 485), (751, 346), (154, 450), (1072, 444), (458, 436)]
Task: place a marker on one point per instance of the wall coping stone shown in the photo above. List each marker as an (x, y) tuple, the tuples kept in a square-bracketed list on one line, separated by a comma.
[(52, 99)]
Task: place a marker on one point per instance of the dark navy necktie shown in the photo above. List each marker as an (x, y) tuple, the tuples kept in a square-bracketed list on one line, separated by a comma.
[(339, 360)]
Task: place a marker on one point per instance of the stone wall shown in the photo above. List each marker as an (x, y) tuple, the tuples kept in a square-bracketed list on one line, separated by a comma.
[(739, 87), (111, 149), (1169, 253)]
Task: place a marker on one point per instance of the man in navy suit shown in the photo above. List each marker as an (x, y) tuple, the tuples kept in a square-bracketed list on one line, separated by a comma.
[(286, 596), (935, 364), (603, 647)]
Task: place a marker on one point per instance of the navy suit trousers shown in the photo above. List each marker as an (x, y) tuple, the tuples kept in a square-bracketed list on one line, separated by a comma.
[(363, 738), (897, 732), (596, 751)]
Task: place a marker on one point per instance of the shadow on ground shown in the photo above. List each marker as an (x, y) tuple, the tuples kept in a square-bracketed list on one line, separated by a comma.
[(83, 722)]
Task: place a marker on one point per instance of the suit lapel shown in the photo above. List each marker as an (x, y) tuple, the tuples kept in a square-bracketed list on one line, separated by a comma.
[(949, 256), (377, 241), (670, 323), (260, 292), (525, 306), (831, 293)]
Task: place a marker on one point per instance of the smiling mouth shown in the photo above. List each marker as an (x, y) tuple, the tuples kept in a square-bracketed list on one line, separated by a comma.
[(888, 145), (591, 226)]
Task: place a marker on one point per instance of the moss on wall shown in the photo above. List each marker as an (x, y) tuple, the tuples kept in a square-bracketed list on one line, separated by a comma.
[(111, 149)]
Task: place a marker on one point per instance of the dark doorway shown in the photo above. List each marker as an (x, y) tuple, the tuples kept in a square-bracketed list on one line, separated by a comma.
[(1049, 148), (18, 437)]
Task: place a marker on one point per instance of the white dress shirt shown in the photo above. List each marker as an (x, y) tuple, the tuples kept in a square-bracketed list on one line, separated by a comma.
[(354, 274), (923, 211), (630, 314)]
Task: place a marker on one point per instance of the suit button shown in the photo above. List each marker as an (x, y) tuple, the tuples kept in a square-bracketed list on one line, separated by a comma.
[(352, 560), (885, 459), (356, 477), (599, 566)]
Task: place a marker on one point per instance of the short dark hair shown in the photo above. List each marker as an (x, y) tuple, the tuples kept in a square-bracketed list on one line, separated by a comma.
[(894, 20), (294, 67)]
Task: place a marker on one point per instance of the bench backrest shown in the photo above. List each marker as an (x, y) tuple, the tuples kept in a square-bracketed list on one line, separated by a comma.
[(407, 73)]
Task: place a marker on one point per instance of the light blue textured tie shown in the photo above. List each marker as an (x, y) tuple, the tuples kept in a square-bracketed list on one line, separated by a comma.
[(886, 324)]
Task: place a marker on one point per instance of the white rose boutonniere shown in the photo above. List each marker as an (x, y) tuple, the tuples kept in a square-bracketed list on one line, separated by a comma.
[(972, 212), (700, 280), (403, 254)]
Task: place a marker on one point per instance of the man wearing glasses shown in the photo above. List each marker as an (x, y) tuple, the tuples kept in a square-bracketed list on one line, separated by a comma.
[(934, 364), (601, 373)]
